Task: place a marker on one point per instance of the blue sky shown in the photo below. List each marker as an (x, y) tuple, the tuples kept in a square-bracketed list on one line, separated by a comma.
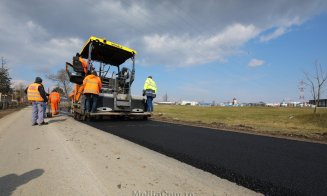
[(285, 59), (200, 51)]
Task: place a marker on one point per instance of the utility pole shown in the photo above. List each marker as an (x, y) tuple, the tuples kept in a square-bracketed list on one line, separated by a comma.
[(213, 103), (165, 97), (3, 62)]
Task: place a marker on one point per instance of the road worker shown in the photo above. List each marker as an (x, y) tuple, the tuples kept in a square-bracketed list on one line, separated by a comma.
[(83, 62), (92, 85), (76, 93), (37, 96), (150, 91), (54, 100), (71, 95), (72, 99)]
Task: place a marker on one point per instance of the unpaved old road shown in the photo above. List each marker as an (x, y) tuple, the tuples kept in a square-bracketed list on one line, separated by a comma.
[(67, 157)]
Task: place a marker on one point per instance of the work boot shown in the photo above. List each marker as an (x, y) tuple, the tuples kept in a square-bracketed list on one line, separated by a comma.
[(34, 124), (43, 123)]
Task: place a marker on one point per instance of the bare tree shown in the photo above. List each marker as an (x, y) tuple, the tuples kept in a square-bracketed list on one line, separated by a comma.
[(62, 80), (316, 82), (19, 92)]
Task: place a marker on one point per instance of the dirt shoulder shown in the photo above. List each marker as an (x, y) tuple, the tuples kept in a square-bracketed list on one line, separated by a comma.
[(9, 111), (316, 138), (67, 157)]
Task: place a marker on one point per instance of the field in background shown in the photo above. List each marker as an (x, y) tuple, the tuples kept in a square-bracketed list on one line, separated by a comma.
[(291, 122)]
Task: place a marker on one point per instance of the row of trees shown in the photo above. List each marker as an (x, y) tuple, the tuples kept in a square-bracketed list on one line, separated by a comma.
[(5, 80), (61, 78)]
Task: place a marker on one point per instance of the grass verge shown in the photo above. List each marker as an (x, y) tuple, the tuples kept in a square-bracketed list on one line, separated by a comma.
[(286, 122)]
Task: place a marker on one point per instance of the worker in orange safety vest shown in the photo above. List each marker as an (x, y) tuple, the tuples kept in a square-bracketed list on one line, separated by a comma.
[(37, 96), (84, 63), (92, 85), (54, 100)]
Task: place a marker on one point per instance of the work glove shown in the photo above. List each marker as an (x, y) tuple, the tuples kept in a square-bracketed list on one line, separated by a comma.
[(143, 93)]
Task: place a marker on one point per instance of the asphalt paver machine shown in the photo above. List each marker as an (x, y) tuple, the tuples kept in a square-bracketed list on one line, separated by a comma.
[(115, 99)]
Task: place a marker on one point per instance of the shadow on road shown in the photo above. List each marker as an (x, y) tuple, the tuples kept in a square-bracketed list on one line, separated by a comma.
[(10, 182), (55, 120)]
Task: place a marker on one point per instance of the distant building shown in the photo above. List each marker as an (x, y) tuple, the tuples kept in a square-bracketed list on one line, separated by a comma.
[(272, 104), (226, 104), (321, 103), (4, 97), (204, 104), (234, 101), (193, 103), (256, 104), (283, 104)]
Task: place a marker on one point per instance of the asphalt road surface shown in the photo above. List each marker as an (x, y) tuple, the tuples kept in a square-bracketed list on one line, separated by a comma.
[(268, 165)]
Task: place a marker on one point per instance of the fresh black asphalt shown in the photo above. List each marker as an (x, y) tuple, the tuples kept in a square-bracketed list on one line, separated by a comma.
[(268, 165)]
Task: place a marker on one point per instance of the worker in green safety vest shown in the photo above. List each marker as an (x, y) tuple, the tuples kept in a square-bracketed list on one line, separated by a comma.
[(150, 91)]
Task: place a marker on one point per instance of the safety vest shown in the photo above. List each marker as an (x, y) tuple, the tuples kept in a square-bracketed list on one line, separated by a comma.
[(71, 95), (33, 93), (84, 64), (92, 84), (150, 85), (78, 90), (54, 97)]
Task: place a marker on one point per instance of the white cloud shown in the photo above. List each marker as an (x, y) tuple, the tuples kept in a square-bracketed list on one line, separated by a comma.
[(17, 83), (169, 33), (283, 26), (186, 50), (256, 63), (278, 32), (25, 43)]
